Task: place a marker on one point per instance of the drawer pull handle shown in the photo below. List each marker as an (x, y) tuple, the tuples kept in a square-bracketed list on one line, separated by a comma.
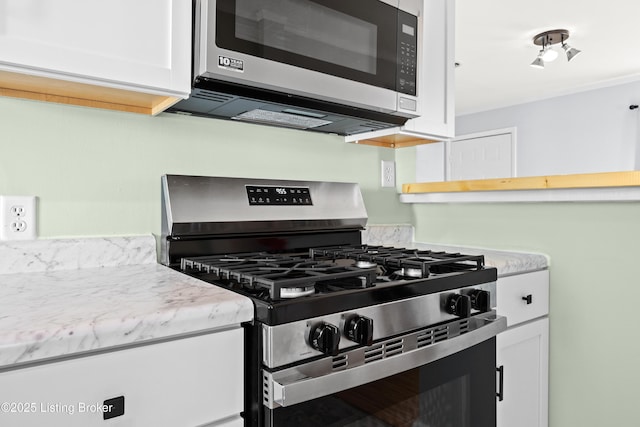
[(500, 393), (528, 299)]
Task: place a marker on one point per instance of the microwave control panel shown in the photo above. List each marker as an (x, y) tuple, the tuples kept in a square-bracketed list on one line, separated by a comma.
[(278, 195), (407, 53)]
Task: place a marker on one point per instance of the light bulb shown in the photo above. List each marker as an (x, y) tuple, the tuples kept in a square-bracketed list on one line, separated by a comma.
[(549, 54)]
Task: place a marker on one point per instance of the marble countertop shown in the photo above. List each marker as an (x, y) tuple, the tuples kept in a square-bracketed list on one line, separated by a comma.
[(61, 310)]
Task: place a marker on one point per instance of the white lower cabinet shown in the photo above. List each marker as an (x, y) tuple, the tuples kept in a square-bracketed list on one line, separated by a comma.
[(523, 355), (523, 351), (196, 381)]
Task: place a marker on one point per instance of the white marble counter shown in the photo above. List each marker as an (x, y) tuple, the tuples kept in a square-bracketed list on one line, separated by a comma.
[(30, 256), (62, 311), (507, 262), (389, 235)]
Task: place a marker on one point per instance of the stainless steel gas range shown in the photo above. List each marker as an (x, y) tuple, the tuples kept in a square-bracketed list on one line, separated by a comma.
[(345, 334)]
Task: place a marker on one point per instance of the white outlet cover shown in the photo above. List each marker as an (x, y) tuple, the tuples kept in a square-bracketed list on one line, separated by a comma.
[(18, 218), (388, 173)]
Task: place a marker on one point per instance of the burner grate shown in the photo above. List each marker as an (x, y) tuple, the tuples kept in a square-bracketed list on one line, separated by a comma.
[(421, 263), (282, 275)]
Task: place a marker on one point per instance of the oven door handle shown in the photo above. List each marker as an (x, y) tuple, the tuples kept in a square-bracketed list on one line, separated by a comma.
[(290, 386)]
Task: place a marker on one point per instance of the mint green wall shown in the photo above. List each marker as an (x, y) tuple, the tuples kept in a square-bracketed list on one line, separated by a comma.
[(595, 292), (97, 172)]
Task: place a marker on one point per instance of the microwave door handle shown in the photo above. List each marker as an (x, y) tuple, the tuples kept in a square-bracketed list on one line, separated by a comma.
[(288, 387)]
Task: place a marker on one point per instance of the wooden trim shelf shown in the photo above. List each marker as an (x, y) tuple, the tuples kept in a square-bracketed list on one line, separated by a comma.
[(398, 140), (574, 181), (38, 88)]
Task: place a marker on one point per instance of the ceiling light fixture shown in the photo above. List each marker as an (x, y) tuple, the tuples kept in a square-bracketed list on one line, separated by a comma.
[(571, 51), (538, 62), (547, 52)]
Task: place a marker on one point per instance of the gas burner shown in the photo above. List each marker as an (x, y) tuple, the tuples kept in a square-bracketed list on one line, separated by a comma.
[(365, 264), (290, 293), (414, 273)]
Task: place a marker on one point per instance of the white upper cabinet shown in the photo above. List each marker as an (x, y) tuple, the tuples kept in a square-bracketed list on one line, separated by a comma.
[(437, 73), (141, 46), (436, 64)]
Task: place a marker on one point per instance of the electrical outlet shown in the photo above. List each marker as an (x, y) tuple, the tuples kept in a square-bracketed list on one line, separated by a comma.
[(17, 217), (388, 173)]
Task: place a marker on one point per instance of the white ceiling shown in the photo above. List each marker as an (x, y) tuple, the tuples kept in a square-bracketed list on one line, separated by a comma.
[(494, 47)]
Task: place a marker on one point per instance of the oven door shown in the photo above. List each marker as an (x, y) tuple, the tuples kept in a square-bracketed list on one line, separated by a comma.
[(453, 384)]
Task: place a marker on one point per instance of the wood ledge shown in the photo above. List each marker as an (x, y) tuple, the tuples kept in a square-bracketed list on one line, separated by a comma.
[(24, 86), (587, 180), (395, 141)]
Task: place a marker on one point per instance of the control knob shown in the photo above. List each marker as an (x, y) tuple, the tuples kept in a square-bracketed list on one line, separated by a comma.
[(480, 300), (458, 305), (359, 329), (325, 337)]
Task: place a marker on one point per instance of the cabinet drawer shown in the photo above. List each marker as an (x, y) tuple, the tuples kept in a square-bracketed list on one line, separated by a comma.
[(188, 382), (524, 296)]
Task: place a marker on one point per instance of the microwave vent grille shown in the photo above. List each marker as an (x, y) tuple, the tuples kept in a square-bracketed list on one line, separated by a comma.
[(210, 96), (375, 125)]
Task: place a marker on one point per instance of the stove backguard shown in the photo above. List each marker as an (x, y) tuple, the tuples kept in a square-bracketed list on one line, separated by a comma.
[(212, 215)]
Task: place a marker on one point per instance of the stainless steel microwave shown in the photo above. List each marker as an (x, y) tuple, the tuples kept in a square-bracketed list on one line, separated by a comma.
[(335, 66)]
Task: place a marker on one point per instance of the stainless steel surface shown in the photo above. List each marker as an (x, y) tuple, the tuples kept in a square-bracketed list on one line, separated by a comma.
[(353, 368), (405, 332), (215, 205), (288, 343), (392, 108), (199, 206)]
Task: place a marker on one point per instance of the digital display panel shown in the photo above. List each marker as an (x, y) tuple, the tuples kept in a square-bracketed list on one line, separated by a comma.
[(408, 29), (278, 195)]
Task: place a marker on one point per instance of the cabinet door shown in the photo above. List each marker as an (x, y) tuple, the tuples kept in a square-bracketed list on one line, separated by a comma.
[(436, 91), (187, 382), (142, 44), (523, 355)]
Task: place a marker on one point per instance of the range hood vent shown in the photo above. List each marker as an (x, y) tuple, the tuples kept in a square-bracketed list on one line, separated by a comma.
[(213, 97), (219, 99)]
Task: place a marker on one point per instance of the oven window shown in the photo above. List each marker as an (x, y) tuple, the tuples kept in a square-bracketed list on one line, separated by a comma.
[(457, 391), (343, 38)]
